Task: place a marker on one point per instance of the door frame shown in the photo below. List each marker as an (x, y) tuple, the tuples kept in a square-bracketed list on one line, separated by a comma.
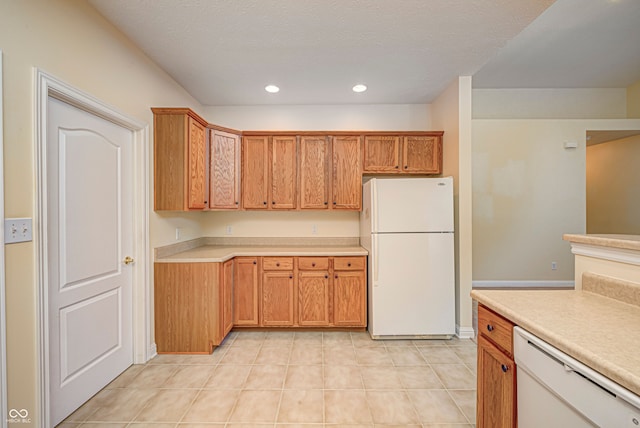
[(3, 331), (47, 86)]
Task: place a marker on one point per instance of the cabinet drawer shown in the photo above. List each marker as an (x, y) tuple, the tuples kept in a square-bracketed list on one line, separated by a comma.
[(495, 328), (313, 263), (349, 263), (277, 263)]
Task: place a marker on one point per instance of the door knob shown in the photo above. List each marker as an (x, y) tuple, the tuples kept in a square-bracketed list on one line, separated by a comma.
[(128, 260)]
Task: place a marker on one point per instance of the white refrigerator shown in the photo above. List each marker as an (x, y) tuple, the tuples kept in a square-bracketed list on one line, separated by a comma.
[(406, 225)]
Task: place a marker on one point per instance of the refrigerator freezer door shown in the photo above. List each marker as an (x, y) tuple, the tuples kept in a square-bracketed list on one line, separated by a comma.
[(411, 285), (412, 205)]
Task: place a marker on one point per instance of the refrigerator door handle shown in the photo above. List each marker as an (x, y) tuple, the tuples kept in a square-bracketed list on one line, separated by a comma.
[(376, 261)]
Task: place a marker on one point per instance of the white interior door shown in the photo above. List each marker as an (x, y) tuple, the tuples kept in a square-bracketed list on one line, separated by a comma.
[(89, 224)]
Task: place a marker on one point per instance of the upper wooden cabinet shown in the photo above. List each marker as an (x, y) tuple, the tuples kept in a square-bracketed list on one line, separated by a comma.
[(269, 172), (314, 172), (224, 170), (180, 160), (403, 154), (346, 189)]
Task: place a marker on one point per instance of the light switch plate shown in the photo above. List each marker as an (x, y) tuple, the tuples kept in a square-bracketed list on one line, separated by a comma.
[(17, 230)]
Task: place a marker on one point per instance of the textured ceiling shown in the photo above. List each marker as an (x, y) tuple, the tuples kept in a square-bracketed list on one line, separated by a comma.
[(407, 51), (573, 44)]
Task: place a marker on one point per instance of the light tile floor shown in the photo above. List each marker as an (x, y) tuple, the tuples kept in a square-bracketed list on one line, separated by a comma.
[(301, 379)]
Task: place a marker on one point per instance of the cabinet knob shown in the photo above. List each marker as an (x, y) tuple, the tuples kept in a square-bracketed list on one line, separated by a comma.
[(334, 202), (278, 264), (290, 276), (505, 368), (489, 327), (205, 202), (336, 276), (405, 167), (237, 203), (326, 203), (313, 265), (326, 276), (396, 166), (255, 262), (264, 203), (348, 264), (273, 202)]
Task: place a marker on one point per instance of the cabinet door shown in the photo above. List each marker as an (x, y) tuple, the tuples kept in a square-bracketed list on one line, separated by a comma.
[(314, 173), (381, 153), (283, 172), (255, 170), (185, 295), (197, 152), (496, 387), (245, 291), (277, 299), (349, 298), (422, 154), (313, 298), (347, 173), (224, 171), (227, 298)]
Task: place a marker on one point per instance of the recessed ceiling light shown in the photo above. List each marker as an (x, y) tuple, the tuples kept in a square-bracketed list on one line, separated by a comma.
[(271, 89), (359, 88)]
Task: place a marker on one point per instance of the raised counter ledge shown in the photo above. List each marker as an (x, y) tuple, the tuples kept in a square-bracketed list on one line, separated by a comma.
[(204, 250), (625, 242), (599, 331)]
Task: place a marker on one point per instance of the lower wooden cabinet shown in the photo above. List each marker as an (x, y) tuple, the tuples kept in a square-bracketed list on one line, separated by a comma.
[(190, 307), (245, 291), (277, 299), (496, 392), (349, 292), (314, 292)]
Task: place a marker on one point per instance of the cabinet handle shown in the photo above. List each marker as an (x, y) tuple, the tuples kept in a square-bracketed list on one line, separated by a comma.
[(489, 327), (505, 368)]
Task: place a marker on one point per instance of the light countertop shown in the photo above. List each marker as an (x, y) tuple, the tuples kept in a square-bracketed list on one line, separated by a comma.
[(221, 253), (208, 249), (626, 242), (599, 331)]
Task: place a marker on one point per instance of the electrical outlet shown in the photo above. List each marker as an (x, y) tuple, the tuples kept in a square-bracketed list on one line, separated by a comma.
[(554, 266), (229, 230), (17, 230), (314, 229)]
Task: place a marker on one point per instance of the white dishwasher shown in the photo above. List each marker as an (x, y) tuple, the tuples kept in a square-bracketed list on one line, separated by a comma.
[(556, 391)]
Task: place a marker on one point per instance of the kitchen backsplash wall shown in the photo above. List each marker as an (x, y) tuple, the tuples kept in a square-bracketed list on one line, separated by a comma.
[(283, 224)]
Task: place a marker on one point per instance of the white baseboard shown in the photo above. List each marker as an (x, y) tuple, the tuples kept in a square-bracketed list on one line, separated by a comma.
[(523, 284), (465, 332)]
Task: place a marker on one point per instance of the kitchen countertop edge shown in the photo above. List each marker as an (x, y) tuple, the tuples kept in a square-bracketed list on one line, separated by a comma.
[(581, 352)]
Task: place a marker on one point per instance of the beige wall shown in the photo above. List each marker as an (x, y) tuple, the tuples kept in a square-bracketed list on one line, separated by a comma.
[(522, 103), (633, 101), (451, 112), (69, 40), (613, 183), (528, 190)]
